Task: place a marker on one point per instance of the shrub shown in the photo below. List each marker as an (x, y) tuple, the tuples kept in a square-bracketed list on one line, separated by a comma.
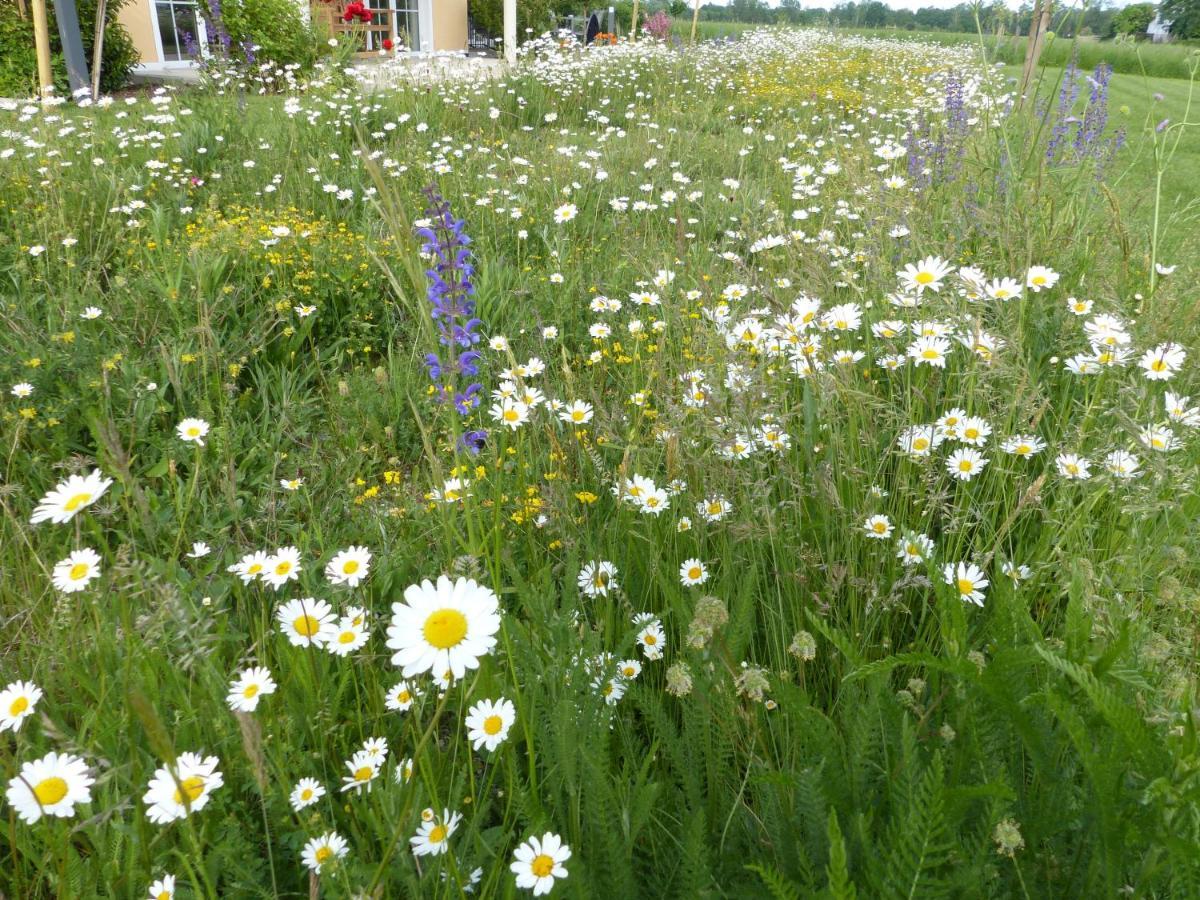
[(18, 59), (262, 30), (538, 15)]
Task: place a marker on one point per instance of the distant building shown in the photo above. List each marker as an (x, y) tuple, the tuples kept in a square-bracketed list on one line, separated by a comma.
[(1159, 31)]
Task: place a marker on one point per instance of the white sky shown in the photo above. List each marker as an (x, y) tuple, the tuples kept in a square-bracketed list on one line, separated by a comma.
[(899, 4)]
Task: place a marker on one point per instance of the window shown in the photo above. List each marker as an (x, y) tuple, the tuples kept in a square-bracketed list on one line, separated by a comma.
[(180, 29)]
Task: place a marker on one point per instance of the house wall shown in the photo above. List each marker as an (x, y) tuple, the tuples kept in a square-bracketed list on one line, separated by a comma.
[(138, 18), (449, 24)]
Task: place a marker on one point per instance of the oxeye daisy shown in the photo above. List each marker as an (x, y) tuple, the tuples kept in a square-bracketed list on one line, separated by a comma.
[(323, 851), (596, 579), (347, 637), (306, 792), (965, 463), (629, 669), (1122, 464), (444, 626), (250, 567), (283, 567), (181, 788), (929, 351), (1073, 467), (163, 889), (576, 413), (432, 837), (400, 698), (193, 431), (73, 573), (967, 579), (1040, 278), (565, 213), (50, 786), (1161, 363), (17, 702), (914, 549), (652, 641), (539, 861), (878, 527), (692, 572), (349, 567), (488, 722), (248, 688), (1024, 445), (927, 274), (306, 622), (69, 497), (364, 769)]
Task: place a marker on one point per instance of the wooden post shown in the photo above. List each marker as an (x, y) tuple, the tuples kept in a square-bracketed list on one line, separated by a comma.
[(41, 41), (633, 23), (510, 32), (1038, 26), (695, 19), (98, 46)]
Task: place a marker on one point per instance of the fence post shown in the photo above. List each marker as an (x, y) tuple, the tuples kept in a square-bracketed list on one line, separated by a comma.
[(41, 41)]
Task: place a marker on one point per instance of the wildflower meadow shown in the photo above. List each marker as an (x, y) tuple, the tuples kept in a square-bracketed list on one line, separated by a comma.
[(763, 468)]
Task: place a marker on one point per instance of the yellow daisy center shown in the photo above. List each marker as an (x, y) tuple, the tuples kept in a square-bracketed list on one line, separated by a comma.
[(920, 444), (694, 572), (191, 787), (347, 637), (492, 725), (306, 794), (541, 866), (924, 278), (965, 586), (193, 431), (930, 354), (77, 501), (323, 854), (306, 626), (282, 568), (350, 567), (965, 465), (511, 415), (19, 706), (50, 790), (650, 640), (78, 571), (363, 773), (438, 834), (445, 628), (250, 691)]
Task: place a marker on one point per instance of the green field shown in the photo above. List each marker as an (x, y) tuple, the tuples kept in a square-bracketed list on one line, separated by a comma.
[(762, 469)]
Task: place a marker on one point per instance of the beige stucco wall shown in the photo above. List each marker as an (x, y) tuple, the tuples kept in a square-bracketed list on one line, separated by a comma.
[(449, 24), (138, 18)]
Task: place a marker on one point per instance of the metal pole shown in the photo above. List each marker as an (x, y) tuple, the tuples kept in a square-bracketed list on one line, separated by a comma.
[(67, 18), (510, 32), (41, 41), (98, 46)]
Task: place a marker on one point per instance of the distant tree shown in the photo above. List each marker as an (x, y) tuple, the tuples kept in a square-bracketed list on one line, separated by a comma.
[(1133, 19), (1184, 16)]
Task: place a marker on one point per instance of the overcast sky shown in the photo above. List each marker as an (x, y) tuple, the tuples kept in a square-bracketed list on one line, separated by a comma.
[(898, 4)]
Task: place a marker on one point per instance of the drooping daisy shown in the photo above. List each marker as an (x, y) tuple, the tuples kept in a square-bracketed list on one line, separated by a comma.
[(967, 579), (692, 572), (611, 689), (324, 850), (404, 771), (72, 574), (69, 497), (199, 550), (163, 889), (1017, 572), (401, 696), (349, 567), (1122, 464), (17, 702), (597, 578), (50, 786), (193, 431), (878, 527), (364, 768), (306, 622), (965, 463), (539, 861), (443, 627), (432, 837), (306, 792), (248, 688), (488, 722), (283, 567), (181, 788)]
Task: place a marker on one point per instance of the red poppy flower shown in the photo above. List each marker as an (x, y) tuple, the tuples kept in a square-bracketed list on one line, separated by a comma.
[(356, 10), (387, 44)]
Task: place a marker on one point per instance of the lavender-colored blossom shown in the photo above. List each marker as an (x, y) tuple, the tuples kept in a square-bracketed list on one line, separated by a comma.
[(450, 293)]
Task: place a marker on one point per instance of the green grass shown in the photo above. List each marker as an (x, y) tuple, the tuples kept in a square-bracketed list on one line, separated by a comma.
[(817, 718)]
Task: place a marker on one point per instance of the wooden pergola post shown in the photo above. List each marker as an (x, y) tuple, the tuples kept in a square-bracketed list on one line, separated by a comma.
[(41, 42), (695, 19)]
